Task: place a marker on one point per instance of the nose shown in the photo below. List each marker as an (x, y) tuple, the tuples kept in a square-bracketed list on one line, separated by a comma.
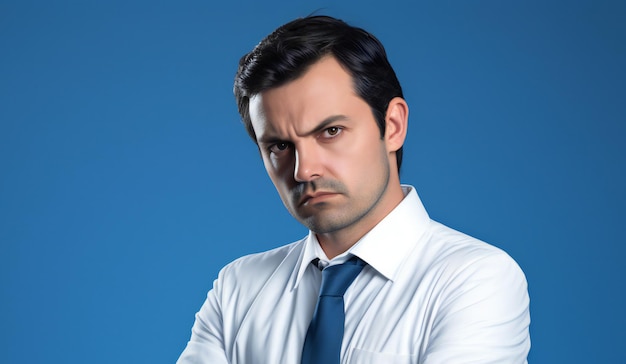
[(308, 165)]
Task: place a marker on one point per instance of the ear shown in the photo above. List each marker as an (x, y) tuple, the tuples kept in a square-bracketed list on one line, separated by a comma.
[(397, 122)]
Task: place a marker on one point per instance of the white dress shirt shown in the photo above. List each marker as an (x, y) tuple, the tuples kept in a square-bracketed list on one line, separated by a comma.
[(428, 294)]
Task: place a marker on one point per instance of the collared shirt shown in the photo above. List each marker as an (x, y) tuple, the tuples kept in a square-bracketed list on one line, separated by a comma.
[(428, 294)]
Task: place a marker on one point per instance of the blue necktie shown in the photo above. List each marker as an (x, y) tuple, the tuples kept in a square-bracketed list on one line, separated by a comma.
[(322, 344)]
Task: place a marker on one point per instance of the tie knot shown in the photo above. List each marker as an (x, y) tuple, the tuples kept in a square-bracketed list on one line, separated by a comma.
[(337, 278)]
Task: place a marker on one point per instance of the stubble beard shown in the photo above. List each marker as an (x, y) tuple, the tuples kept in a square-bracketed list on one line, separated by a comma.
[(324, 220)]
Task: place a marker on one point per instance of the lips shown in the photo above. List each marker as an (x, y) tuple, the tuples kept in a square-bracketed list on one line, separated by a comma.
[(313, 197)]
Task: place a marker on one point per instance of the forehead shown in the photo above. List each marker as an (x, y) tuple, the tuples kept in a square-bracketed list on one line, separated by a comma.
[(324, 90)]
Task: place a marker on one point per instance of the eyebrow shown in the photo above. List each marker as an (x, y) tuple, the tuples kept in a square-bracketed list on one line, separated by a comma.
[(270, 139)]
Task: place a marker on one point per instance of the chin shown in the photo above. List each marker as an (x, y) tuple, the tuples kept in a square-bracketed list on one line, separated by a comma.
[(323, 225)]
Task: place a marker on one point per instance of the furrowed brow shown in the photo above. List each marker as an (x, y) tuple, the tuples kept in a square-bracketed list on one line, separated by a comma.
[(273, 139), (325, 124), (270, 139)]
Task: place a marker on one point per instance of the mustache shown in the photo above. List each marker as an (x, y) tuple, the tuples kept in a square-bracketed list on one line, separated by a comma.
[(326, 185)]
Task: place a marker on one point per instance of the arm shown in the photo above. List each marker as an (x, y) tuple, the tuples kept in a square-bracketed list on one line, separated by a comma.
[(483, 316), (206, 344)]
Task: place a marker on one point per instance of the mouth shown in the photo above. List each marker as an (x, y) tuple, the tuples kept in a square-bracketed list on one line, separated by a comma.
[(312, 198)]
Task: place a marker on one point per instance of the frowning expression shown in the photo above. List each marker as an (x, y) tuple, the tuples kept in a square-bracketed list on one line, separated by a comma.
[(322, 149)]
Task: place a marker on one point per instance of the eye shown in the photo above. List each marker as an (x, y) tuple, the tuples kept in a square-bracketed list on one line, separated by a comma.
[(332, 132), (279, 147)]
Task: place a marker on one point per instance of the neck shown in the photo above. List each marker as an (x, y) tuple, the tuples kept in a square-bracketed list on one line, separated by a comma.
[(337, 242)]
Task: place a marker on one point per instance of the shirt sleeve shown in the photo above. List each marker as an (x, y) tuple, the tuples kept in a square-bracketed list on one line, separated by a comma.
[(483, 316), (206, 344)]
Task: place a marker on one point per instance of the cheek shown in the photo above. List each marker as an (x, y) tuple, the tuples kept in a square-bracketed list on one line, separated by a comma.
[(364, 153)]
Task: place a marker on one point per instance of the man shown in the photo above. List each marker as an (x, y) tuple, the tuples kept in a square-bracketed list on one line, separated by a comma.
[(326, 111)]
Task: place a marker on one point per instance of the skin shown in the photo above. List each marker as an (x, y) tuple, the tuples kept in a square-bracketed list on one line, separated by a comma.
[(323, 151)]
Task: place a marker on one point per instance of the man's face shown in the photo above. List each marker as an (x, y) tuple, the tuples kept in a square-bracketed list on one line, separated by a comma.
[(323, 150)]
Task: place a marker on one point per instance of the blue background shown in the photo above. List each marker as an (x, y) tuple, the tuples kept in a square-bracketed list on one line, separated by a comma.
[(127, 181)]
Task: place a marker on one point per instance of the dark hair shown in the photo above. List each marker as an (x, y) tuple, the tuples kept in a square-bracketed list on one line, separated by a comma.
[(287, 53)]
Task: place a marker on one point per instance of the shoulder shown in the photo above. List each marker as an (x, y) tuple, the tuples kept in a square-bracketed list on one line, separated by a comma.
[(463, 256), (270, 257), (454, 244), (260, 266)]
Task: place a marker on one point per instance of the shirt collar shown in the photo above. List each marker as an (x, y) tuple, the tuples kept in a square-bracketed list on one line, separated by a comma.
[(389, 243), (386, 245), (307, 256)]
